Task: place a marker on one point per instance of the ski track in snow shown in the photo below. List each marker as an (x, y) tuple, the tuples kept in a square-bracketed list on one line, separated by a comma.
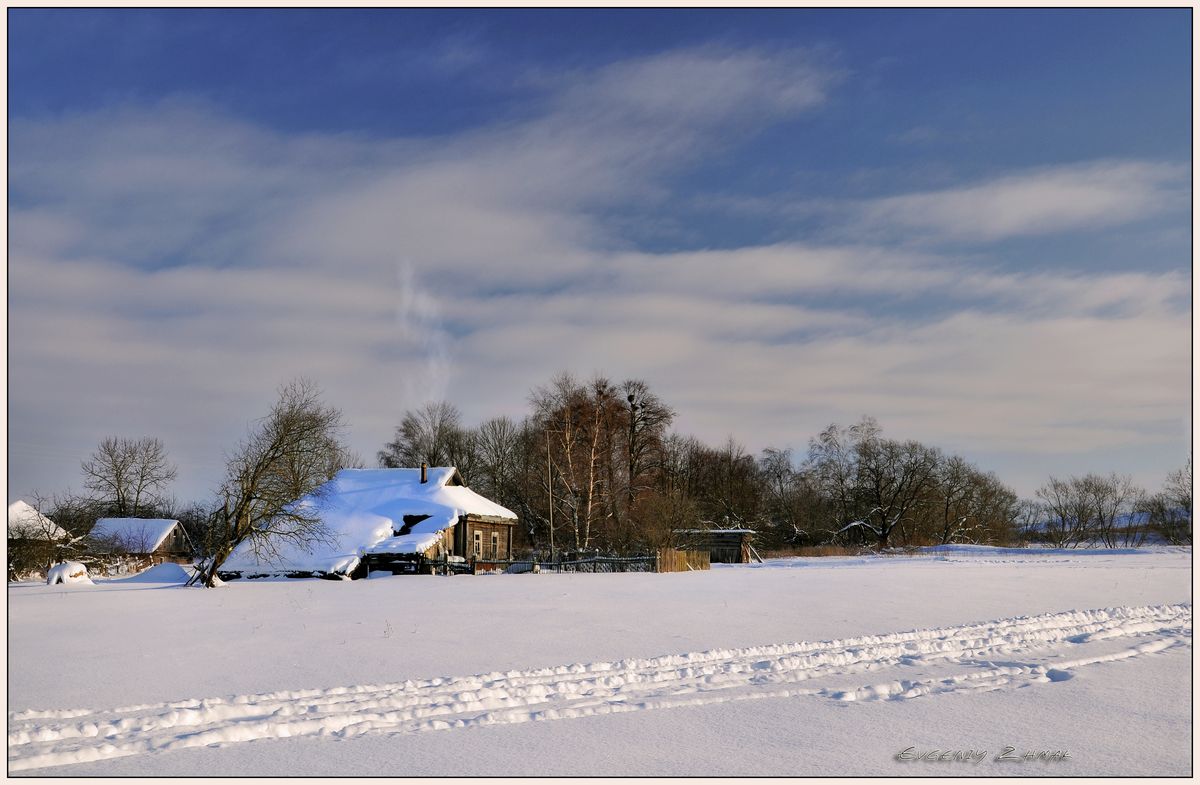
[(994, 655)]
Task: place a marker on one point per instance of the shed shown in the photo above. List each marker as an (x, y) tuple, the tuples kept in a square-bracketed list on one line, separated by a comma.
[(403, 520), (725, 546), (158, 539)]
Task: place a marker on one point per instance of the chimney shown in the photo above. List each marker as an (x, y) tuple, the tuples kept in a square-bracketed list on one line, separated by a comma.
[(424, 475)]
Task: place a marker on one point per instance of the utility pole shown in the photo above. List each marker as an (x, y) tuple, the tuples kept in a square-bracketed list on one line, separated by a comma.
[(550, 491)]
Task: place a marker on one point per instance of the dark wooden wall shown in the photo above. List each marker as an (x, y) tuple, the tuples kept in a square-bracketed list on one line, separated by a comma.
[(176, 544), (723, 547), (503, 532)]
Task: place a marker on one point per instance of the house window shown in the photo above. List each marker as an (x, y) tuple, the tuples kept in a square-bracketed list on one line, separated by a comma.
[(478, 544), (495, 545)]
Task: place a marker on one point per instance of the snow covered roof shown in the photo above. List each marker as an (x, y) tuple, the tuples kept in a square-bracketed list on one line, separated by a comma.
[(140, 535), (26, 522), (444, 488), (364, 508)]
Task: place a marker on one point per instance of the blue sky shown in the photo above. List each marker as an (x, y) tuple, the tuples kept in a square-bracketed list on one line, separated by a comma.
[(973, 225)]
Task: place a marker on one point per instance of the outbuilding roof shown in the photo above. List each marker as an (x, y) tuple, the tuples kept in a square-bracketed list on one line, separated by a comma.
[(137, 535), (24, 522)]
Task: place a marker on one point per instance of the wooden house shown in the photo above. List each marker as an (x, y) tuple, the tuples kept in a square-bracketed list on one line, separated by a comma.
[(155, 540), (446, 523), (724, 546), (417, 520)]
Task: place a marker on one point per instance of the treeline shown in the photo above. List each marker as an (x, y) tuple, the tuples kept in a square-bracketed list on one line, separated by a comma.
[(1111, 511), (595, 465)]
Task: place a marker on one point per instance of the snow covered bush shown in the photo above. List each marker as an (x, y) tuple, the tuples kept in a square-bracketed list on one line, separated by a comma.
[(68, 572)]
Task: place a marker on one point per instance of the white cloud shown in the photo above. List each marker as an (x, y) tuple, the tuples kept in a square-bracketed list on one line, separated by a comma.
[(170, 266), (1053, 199), (699, 87)]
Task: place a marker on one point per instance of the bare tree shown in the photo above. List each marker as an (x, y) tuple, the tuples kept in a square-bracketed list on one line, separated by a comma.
[(128, 475), (529, 487), (274, 482), (1068, 513), (877, 485), (779, 483), (1113, 500), (955, 497), (647, 421), (431, 434), (730, 492), (663, 514), (996, 510), (1030, 517), (969, 505), (833, 468), (1170, 510), (1090, 509), (896, 480), (1178, 488), (496, 442)]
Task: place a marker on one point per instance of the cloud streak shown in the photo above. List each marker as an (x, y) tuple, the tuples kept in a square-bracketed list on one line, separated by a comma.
[(1041, 201), (170, 265)]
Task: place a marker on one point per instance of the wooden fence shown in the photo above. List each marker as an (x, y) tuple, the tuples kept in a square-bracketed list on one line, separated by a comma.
[(671, 560), (601, 564), (663, 560)]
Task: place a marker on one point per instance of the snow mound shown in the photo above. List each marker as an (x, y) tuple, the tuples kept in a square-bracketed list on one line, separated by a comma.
[(168, 572), (68, 572)]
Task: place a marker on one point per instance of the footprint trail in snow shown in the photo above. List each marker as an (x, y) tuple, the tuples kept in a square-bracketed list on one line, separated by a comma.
[(994, 655)]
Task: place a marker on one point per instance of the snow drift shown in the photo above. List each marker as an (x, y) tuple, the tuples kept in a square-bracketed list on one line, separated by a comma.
[(167, 572)]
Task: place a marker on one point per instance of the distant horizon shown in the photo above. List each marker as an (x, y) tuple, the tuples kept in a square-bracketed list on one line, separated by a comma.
[(972, 225)]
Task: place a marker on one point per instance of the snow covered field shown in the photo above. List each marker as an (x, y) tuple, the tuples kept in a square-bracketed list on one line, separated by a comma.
[(798, 666)]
